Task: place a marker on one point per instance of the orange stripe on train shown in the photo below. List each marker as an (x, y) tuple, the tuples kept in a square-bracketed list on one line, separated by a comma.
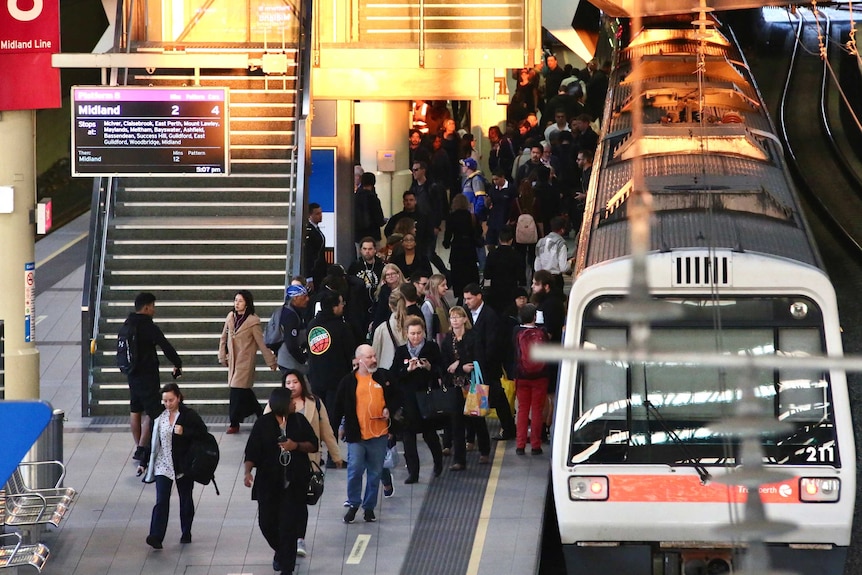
[(688, 489)]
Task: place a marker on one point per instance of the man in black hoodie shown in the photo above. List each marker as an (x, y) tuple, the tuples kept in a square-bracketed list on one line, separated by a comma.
[(143, 376), (331, 348)]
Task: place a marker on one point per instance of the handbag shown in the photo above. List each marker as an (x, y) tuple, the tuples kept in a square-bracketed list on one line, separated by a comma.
[(390, 461), (315, 484), (439, 400), (476, 403)]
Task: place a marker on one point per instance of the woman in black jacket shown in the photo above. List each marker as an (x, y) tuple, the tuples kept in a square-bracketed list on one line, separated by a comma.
[(458, 352), (417, 367), (278, 448), (463, 235), (173, 432)]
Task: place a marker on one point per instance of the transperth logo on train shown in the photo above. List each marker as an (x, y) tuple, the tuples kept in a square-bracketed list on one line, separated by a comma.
[(783, 490)]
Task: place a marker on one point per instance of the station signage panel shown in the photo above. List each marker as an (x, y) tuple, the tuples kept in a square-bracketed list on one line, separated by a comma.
[(144, 131), (29, 35)]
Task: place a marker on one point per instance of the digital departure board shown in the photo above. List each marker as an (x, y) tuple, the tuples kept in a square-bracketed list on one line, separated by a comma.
[(142, 131)]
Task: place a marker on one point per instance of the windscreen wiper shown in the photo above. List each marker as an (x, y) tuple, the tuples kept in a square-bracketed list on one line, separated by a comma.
[(704, 475)]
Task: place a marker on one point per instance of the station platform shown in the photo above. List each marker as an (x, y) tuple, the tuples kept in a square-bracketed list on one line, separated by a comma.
[(485, 520)]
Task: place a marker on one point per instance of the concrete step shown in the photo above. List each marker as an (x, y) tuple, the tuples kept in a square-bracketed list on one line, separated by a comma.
[(191, 249), (175, 208)]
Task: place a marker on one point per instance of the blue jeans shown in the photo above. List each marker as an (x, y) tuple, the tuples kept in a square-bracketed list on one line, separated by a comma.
[(365, 456), (159, 522)]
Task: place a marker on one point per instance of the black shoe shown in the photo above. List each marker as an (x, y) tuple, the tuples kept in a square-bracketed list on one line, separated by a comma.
[(520, 451), (276, 565), (369, 516), (411, 479), (503, 436), (537, 451), (350, 516), (186, 539), (153, 542), (438, 468), (330, 464)]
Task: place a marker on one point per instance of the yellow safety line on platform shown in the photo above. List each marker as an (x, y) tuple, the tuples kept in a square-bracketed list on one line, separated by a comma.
[(357, 552), (485, 513), (62, 249)]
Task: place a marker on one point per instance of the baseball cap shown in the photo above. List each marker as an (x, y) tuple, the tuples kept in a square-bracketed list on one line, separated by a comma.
[(470, 163), (293, 291)]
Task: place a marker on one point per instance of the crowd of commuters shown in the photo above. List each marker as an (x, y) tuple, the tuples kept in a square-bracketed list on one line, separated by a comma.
[(360, 343)]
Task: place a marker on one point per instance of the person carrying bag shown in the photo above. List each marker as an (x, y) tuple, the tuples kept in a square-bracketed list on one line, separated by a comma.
[(417, 364), (476, 403)]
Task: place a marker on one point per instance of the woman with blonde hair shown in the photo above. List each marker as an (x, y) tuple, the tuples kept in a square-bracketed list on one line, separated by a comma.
[(390, 278), (392, 333), (240, 339), (435, 308), (459, 351)]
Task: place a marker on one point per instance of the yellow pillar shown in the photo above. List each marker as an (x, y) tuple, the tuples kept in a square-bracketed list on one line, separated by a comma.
[(486, 112), (385, 126), (17, 269)]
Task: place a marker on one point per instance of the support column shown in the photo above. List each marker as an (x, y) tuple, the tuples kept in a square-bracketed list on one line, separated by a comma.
[(18, 169), (385, 126), (486, 112)]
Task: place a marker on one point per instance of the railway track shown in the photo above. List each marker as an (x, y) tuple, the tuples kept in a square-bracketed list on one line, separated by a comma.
[(814, 136)]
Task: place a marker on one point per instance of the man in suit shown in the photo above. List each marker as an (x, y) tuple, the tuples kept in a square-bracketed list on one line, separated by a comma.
[(314, 266), (488, 330)]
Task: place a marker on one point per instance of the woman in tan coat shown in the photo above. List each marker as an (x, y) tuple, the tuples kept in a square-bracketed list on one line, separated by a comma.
[(240, 339)]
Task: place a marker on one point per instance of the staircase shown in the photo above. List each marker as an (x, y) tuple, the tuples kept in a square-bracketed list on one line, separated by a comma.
[(195, 241)]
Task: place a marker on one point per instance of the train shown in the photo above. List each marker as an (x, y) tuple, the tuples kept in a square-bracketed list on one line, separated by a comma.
[(636, 459)]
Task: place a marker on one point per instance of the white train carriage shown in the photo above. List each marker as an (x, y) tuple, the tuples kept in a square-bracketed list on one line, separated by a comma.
[(632, 442)]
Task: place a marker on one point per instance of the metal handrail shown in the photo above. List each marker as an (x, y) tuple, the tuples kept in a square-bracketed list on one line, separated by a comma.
[(300, 152), (91, 297)]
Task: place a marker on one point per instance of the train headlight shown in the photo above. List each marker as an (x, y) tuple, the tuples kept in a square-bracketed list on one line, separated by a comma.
[(799, 310), (583, 488), (819, 489)]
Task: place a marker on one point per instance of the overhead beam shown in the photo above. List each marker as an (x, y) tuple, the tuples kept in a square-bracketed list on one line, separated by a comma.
[(229, 61), (630, 8)]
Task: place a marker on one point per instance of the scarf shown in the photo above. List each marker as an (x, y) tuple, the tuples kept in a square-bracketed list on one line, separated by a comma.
[(414, 351), (238, 320)]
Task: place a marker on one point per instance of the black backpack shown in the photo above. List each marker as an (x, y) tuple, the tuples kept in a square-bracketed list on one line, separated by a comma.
[(127, 347), (202, 460)]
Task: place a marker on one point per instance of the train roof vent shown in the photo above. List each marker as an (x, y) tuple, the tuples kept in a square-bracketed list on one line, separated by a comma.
[(702, 269)]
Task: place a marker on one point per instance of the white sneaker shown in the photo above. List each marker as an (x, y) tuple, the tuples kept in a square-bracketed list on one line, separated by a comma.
[(300, 548)]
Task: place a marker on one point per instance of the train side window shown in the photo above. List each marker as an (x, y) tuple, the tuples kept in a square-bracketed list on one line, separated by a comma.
[(605, 384), (802, 394)]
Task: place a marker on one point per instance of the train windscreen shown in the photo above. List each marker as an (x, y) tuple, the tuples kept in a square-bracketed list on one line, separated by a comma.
[(660, 413)]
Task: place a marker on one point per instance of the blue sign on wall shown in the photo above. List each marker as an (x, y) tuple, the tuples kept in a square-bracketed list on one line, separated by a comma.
[(321, 182)]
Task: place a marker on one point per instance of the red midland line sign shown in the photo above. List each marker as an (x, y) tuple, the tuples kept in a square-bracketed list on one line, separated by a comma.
[(29, 34)]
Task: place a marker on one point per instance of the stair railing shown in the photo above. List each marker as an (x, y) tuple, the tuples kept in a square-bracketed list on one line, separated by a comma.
[(300, 152), (94, 271)]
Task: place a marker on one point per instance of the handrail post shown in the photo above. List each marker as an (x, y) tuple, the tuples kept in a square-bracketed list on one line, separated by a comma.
[(422, 33), (527, 58)]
